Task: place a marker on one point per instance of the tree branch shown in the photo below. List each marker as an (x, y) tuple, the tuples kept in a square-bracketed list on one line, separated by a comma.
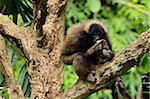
[(105, 73), (8, 27), (23, 36), (14, 89)]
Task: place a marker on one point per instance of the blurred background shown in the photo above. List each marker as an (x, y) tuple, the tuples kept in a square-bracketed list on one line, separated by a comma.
[(125, 20)]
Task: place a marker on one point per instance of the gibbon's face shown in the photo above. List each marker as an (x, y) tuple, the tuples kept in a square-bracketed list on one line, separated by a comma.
[(97, 32)]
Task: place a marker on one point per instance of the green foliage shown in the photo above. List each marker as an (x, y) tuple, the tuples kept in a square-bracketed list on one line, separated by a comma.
[(17, 9), (132, 81), (3, 90), (4, 93), (103, 94), (1, 79), (93, 5), (69, 77), (144, 65)]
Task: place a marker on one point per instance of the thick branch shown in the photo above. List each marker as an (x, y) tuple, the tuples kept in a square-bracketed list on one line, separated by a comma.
[(9, 29), (122, 62), (14, 88), (23, 36), (7, 26)]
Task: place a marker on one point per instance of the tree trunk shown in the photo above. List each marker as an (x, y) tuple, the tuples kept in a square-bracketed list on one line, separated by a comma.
[(46, 68), (41, 44)]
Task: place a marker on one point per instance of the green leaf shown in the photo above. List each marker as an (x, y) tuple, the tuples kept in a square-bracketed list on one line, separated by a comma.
[(4, 93), (135, 1), (18, 68), (22, 76), (1, 78), (28, 91), (94, 5), (25, 85)]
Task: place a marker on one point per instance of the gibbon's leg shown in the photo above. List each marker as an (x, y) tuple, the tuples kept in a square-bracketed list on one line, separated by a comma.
[(81, 66), (68, 59)]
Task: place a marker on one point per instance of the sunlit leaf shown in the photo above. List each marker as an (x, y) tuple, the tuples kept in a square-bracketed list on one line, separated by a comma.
[(94, 5)]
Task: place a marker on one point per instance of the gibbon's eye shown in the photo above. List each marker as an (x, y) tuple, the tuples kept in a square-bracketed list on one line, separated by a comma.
[(96, 33)]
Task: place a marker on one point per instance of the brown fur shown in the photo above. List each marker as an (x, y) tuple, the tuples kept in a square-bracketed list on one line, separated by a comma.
[(80, 50)]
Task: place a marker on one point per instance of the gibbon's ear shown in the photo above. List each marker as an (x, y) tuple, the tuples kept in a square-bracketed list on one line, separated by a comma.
[(90, 22)]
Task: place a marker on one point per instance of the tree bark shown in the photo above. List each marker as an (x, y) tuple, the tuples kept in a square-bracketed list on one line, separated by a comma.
[(41, 46)]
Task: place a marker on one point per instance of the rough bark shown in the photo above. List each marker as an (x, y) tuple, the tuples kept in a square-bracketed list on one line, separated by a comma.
[(42, 52), (46, 66), (8, 27), (6, 68), (104, 73)]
